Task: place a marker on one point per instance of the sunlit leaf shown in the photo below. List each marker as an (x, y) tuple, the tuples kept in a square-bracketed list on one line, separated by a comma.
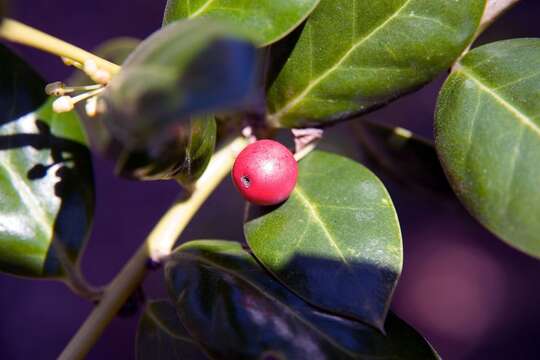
[(356, 55), (336, 241), (46, 181), (236, 310), (265, 20), (161, 335), (488, 138)]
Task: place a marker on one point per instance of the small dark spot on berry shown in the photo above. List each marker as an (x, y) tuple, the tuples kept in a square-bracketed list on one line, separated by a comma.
[(246, 182)]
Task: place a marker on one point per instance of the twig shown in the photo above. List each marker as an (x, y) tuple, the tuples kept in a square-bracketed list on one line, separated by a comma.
[(158, 244), (17, 32)]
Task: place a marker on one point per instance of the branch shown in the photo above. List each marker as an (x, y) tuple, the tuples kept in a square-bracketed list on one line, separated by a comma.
[(158, 244), (20, 33)]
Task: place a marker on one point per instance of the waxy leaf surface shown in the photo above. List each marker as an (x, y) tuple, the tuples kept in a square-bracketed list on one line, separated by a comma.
[(488, 138), (161, 335), (46, 181), (235, 310), (355, 55), (265, 20), (336, 241)]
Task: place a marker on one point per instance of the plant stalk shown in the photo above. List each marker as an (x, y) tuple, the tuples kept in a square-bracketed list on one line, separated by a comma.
[(158, 245), (17, 32)]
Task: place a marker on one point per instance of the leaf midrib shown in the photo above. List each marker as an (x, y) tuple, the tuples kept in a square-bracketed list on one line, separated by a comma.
[(201, 9), (312, 84), (522, 117), (317, 217)]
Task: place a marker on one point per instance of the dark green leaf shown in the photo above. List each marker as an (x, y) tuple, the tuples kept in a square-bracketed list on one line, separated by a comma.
[(115, 50), (265, 20), (184, 158), (402, 154), (236, 310), (46, 182), (186, 69), (488, 138), (161, 335), (356, 55), (199, 150), (336, 241)]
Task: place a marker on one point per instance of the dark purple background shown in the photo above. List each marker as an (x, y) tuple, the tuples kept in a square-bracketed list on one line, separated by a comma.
[(469, 293)]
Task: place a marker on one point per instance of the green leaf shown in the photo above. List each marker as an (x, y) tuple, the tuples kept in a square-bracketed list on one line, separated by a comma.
[(356, 55), (336, 241), (403, 155), (488, 138), (266, 21), (186, 69), (161, 335), (236, 310), (115, 50), (172, 80), (46, 181), (183, 158)]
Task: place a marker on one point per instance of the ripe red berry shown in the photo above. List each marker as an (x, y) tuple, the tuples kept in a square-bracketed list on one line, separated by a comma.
[(265, 172)]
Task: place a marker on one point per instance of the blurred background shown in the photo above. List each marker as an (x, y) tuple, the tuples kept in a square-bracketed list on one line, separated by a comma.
[(470, 294)]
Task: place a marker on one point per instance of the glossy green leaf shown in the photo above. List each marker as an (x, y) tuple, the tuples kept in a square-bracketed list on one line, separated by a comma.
[(488, 138), (355, 55), (336, 241), (46, 181), (186, 69), (266, 20), (161, 335), (236, 310), (405, 156)]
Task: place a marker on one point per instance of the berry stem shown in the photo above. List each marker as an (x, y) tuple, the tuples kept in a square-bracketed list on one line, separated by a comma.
[(17, 32), (157, 246)]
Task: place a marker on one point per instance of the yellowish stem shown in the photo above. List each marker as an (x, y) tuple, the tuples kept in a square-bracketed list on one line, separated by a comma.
[(17, 32), (158, 245)]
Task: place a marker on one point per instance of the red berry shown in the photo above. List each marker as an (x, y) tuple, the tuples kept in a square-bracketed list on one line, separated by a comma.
[(265, 172)]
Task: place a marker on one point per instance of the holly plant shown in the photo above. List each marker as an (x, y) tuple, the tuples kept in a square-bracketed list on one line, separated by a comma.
[(255, 85)]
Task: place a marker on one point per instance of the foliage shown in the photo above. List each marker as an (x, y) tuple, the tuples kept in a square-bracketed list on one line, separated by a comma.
[(317, 275), (488, 137), (46, 180)]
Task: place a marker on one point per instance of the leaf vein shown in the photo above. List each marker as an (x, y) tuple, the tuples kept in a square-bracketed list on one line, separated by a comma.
[(312, 84), (317, 217), (524, 119)]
